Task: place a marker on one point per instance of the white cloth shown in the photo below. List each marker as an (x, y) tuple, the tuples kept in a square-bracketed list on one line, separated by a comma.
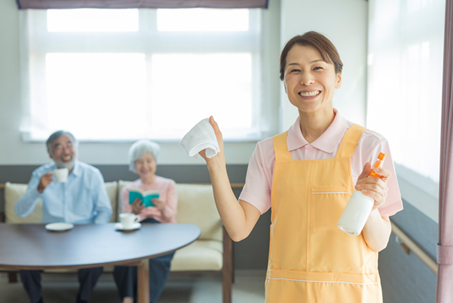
[(200, 137)]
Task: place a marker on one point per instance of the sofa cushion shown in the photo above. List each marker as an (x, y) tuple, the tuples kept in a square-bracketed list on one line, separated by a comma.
[(13, 191), (199, 255), (196, 205)]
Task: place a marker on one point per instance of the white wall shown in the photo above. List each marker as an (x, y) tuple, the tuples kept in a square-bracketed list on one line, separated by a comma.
[(345, 24)]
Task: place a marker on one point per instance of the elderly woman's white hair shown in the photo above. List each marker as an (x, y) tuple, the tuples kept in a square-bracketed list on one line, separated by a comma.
[(141, 147)]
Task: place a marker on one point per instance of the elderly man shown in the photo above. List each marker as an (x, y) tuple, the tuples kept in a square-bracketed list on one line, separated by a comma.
[(82, 199)]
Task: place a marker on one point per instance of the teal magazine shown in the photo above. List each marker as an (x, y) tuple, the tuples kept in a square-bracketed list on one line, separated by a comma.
[(145, 196)]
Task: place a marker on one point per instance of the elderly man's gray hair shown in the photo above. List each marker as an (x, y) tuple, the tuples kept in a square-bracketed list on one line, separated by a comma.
[(141, 147), (57, 135)]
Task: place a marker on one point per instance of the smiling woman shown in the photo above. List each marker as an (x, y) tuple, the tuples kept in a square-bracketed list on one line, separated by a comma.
[(306, 175), (143, 156), (313, 60), (306, 67)]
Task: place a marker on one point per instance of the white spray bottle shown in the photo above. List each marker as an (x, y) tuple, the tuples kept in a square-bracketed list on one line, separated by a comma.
[(359, 207)]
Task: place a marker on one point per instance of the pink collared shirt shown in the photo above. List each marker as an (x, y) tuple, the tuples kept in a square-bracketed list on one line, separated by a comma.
[(167, 193), (258, 182)]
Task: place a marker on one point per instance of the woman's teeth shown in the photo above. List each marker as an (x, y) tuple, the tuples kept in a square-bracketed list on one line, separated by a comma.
[(309, 94)]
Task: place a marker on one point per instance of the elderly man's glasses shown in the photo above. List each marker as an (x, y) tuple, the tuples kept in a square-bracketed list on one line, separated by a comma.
[(59, 147)]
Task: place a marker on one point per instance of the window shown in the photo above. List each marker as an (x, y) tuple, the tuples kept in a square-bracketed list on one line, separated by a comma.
[(405, 89), (125, 74)]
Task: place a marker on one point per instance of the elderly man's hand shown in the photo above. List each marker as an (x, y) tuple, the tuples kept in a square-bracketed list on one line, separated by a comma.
[(137, 206), (44, 182)]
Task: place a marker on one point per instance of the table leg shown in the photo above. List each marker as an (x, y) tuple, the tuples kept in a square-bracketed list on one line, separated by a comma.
[(143, 281)]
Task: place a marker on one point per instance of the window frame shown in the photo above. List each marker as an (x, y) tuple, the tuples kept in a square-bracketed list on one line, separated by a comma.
[(132, 42)]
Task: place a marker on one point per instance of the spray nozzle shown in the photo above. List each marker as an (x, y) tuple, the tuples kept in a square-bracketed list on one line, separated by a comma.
[(378, 163)]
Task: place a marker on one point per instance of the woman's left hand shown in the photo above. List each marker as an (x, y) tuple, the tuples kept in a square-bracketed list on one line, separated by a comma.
[(374, 187), (160, 204)]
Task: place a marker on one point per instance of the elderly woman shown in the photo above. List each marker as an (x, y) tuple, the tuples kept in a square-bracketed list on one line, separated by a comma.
[(306, 175), (143, 157)]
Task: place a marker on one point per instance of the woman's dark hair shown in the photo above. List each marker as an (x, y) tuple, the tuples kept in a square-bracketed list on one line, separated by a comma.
[(314, 39)]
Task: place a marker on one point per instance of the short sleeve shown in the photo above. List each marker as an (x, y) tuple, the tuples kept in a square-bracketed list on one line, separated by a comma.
[(258, 181)]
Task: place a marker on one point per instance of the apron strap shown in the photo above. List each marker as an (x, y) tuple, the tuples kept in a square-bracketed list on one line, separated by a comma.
[(350, 141), (281, 148)]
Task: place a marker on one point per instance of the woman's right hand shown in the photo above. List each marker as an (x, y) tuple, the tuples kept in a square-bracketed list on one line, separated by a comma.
[(137, 206), (219, 137)]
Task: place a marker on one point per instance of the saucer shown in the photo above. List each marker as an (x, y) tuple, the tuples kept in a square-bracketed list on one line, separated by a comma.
[(59, 226), (119, 226)]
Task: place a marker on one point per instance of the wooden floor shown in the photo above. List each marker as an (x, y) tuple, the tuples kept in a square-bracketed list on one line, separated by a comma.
[(206, 288)]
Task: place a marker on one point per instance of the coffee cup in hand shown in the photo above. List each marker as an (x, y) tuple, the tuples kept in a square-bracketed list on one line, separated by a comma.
[(61, 174), (128, 220)]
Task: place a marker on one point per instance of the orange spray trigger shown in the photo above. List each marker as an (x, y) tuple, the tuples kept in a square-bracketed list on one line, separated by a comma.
[(378, 163), (381, 156)]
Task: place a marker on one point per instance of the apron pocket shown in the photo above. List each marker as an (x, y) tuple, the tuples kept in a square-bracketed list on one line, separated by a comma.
[(326, 205)]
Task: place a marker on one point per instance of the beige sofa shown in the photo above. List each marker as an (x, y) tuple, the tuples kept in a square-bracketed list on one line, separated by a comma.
[(211, 252)]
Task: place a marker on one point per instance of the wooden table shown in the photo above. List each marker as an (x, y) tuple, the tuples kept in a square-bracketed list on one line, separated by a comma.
[(31, 246)]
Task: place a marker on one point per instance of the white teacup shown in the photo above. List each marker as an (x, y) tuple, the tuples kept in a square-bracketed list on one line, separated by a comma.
[(61, 174), (128, 220)]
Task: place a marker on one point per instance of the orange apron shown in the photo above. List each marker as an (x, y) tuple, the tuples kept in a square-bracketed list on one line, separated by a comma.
[(310, 259)]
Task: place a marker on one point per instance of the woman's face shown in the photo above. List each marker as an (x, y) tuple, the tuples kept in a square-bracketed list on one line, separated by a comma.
[(310, 82), (146, 166)]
